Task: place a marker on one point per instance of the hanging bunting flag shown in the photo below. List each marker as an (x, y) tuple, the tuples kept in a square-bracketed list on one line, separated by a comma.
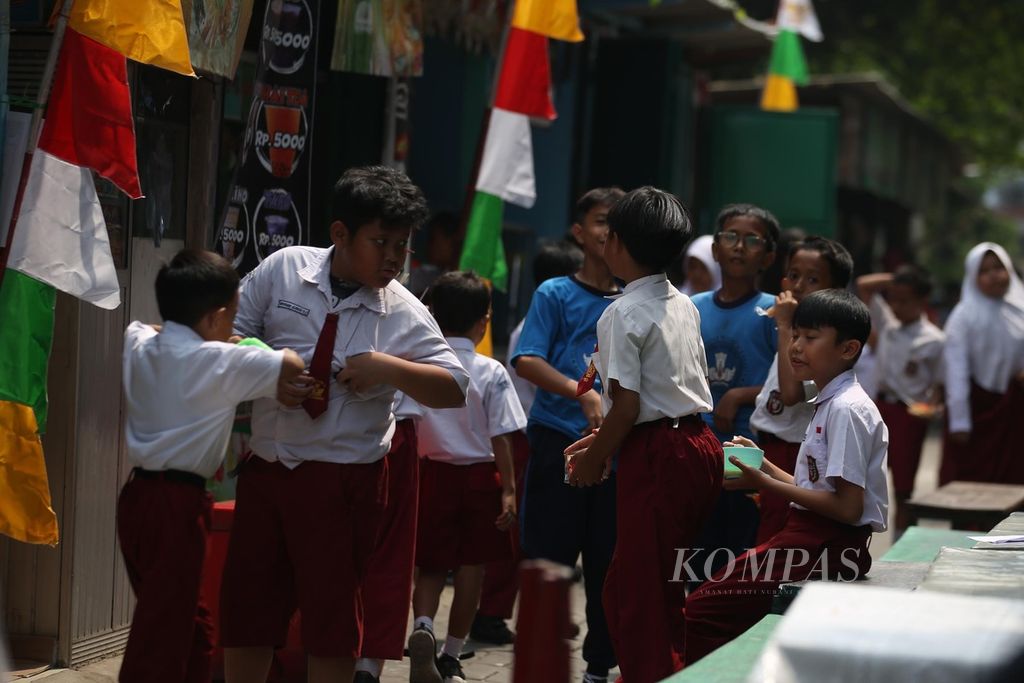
[(25, 509), (506, 174), (61, 238), (25, 339), (788, 68), (524, 82), (89, 116), (149, 31), (553, 18), (506, 168)]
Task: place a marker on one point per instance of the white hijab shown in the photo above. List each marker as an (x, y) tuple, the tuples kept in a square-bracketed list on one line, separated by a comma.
[(700, 249), (984, 337)]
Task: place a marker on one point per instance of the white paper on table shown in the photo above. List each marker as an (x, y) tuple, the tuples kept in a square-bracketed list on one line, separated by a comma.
[(998, 539), (15, 142)]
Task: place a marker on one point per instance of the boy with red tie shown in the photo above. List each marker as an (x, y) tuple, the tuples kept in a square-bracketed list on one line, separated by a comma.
[(309, 504)]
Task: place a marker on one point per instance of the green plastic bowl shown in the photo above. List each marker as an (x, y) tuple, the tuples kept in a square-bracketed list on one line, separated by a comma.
[(253, 341), (751, 457)]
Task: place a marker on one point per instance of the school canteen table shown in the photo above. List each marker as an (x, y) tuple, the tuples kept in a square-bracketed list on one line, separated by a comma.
[(733, 662)]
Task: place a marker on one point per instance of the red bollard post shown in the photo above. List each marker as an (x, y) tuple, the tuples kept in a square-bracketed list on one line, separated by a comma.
[(542, 627)]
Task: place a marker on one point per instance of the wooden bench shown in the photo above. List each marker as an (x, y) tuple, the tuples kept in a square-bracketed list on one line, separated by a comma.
[(968, 503)]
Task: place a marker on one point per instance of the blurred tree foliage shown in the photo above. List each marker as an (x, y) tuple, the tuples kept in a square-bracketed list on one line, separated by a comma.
[(961, 62)]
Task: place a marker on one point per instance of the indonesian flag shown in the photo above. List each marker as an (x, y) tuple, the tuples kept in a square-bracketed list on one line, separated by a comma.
[(788, 68), (60, 237)]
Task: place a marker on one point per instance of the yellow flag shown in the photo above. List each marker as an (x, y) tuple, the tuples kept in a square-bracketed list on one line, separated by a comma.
[(147, 31), (553, 18), (25, 512)]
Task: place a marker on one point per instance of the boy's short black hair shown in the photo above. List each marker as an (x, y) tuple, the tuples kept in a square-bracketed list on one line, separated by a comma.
[(835, 308), (366, 194), (194, 283), (840, 263), (653, 226), (556, 259), (599, 196), (459, 299), (916, 278), (768, 220)]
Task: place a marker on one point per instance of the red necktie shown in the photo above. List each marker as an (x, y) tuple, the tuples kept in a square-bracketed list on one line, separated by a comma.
[(320, 367)]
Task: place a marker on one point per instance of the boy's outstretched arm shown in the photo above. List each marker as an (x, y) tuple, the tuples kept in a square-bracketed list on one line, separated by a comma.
[(791, 389), (502, 447), (590, 465), (845, 505), (874, 283), (428, 385), (539, 372)]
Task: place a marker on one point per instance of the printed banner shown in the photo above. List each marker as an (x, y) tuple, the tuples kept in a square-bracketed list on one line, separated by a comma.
[(268, 206), (379, 37), (216, 33)]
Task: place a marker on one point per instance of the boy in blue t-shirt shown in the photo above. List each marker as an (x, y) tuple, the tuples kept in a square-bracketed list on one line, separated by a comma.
[(559, 522), (740, 342)]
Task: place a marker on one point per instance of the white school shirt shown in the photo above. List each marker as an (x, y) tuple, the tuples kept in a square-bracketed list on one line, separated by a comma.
[(909, 358), (462, 436), (847, 439), (984, 338), (182, 392), (284, 302), (771, 415), (649, 341), (527, 391)]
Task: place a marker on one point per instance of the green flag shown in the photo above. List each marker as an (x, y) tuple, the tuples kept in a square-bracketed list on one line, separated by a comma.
[(26, 334), (483, 251)]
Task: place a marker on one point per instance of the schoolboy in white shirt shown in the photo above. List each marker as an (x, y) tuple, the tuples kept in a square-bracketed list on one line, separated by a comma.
[(182, 382), (467, 482), (652, 362), (782, 409), (838, 493), (908, 369), (309, 503)]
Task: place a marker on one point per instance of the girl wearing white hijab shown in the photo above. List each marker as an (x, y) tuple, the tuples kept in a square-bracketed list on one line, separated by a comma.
[(703, 274), (984, 358)]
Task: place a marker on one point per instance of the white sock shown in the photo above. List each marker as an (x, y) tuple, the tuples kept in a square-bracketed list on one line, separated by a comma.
[(453, 646), (370, 666), (424, 621)]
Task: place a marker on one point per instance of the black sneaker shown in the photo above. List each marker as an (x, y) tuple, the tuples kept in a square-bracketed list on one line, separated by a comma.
[(450, 669), (491, 630), (365, 677), (423, 657)]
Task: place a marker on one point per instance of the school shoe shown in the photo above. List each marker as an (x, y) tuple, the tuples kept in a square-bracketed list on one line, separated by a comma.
[(450, 668), (365, 677), (491, 630), (423, 657)]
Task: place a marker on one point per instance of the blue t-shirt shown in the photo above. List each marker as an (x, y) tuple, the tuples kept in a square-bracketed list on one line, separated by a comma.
[(740, 345), (561, 328)]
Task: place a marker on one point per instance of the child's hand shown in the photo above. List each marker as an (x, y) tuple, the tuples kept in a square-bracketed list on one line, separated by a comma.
[(507, 517), (785, 305), (293, 383), (741, 441), (590, 402), (586, 470), (725, 411), (363, 371), (581, 445), (750, 478)]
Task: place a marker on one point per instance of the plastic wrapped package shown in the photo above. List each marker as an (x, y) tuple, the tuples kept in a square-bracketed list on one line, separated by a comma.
[(841, 632)]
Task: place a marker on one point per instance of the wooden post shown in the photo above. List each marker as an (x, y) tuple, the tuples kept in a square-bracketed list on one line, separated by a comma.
[(542, 628)]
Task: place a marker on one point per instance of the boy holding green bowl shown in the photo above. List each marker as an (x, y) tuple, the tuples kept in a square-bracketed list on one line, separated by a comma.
[(838, 492)]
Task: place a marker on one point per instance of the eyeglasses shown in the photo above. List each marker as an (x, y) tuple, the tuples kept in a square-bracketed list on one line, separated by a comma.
[(729, 239)]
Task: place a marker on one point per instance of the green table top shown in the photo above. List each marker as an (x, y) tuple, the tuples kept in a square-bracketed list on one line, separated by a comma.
[(922, 544), (732, 662)]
